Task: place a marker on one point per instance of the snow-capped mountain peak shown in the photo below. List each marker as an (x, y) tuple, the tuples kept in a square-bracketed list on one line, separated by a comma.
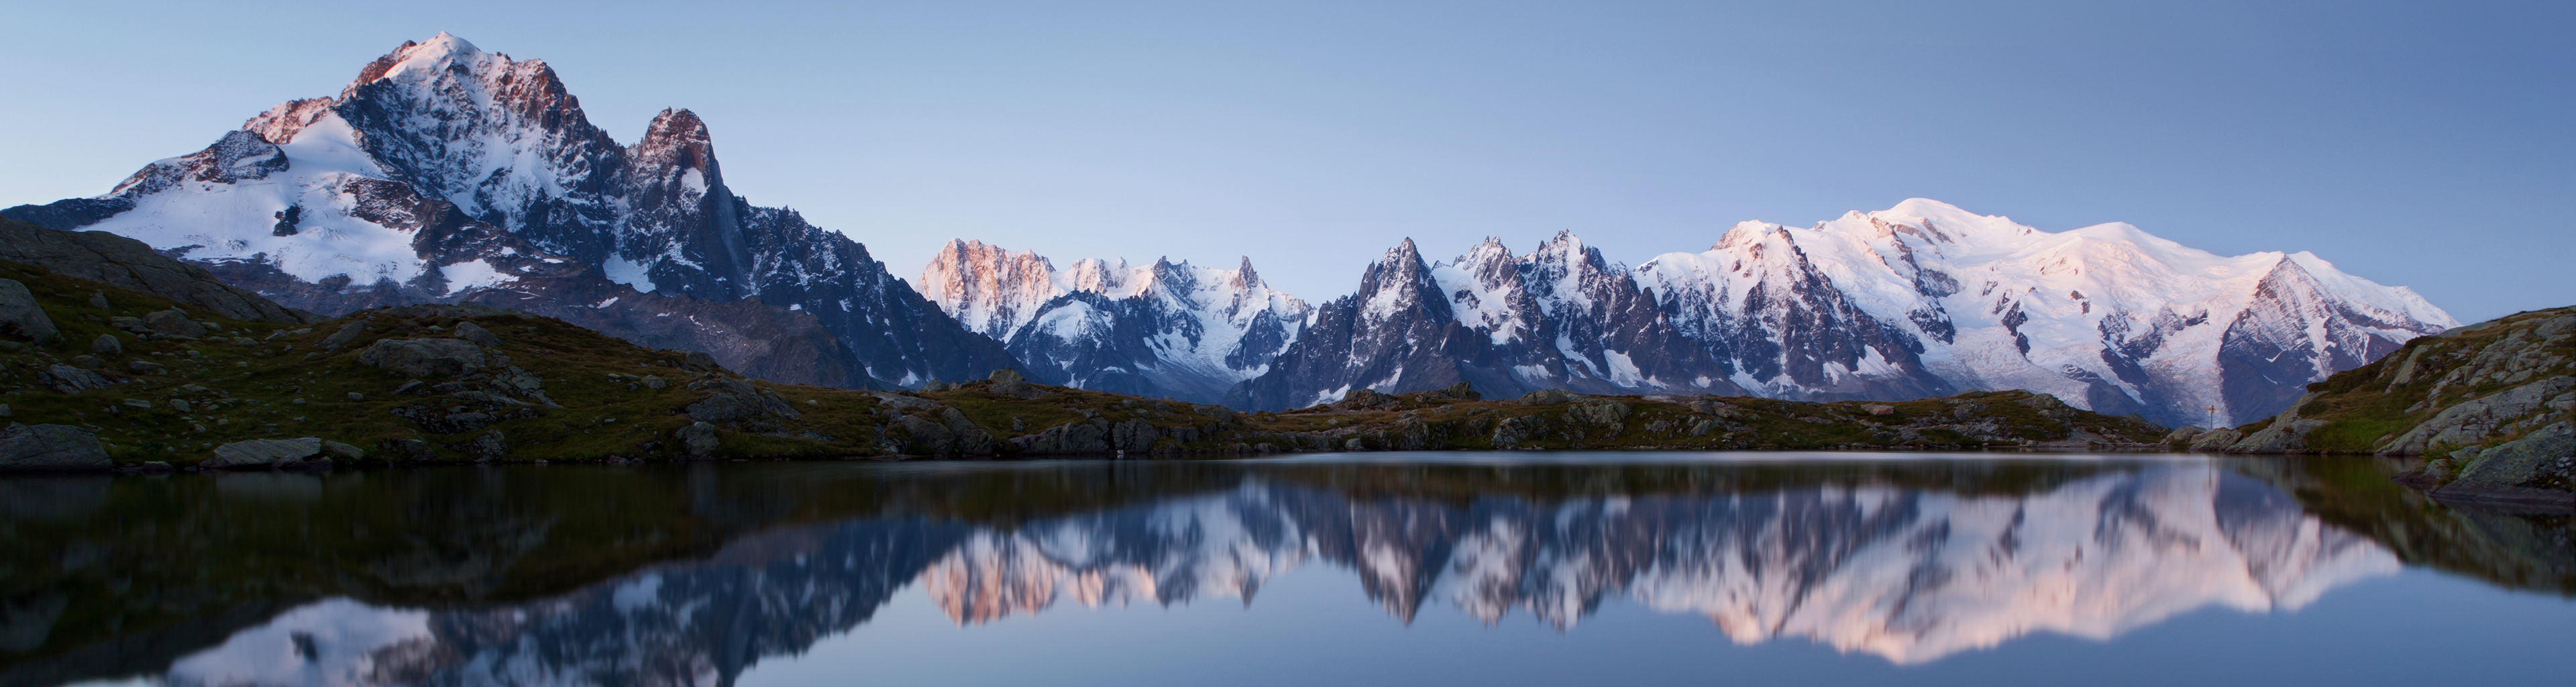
[(1164, 329), (444, 173)]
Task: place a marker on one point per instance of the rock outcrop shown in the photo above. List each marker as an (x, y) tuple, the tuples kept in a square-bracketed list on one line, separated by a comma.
[(2487, 406)]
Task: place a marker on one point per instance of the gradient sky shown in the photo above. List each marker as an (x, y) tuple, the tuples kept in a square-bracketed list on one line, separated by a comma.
[(2417, 144)]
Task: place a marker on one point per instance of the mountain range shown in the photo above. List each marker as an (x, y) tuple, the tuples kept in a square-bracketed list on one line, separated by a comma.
[(444, 173)]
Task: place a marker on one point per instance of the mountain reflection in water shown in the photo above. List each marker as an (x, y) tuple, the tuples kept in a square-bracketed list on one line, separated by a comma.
[(692, 575)]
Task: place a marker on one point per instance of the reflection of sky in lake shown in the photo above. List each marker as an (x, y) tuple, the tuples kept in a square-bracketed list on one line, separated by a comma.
[(2160, 571)]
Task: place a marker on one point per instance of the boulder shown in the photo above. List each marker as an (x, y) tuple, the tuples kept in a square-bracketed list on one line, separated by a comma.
[(2216, 440), (274, 453), (480, 336), (1006, 375), (20, 315), (733, 400), (50, 447), (423, 357), (70, 380), (339, 450), (2475, 420), (106, 344), (346, 334), (698, 439), (1599, 413), (1546, 397), (2184, 434), (2287, 434), (173, 322), (2513, 463)]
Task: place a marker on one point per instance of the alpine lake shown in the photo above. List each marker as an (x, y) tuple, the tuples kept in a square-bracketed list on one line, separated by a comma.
[(1483, 568)]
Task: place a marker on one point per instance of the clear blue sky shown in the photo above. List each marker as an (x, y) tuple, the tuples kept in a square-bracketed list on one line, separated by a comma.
[(2428, 144)]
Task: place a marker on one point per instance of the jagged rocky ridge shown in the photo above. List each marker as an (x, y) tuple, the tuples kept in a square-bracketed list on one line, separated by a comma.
[(1911, 575), (1163, 330), (1922, 299), (446, 174), (2491, 407)]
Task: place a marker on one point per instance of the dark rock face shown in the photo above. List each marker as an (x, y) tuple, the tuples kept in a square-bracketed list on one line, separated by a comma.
[(507, 195)]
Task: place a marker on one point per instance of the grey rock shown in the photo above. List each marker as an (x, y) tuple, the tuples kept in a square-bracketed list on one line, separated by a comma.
[(654, 382), (698, 439), (2286, 435), (2475, 420), (423, 357), (927, 437), (734, 400), (88, 361), (488, 446), (1605, 414), (2184, 434), (70, 380), (181, 405), (50, 447), (2516, 462), (894, 400), (1018, 389), (1546, 397), (477, 334), (106, 344), (138, 403), (1007, 375), (98, 299), (264, 453), (1068, 438), (145, 367), (346, 334), (173, 322), (20, 315), (2216, 440), (697, 360), (1513, 431), (355, 396)]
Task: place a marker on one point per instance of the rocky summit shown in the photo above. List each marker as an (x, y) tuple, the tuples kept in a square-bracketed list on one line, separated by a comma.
[(447, 174)]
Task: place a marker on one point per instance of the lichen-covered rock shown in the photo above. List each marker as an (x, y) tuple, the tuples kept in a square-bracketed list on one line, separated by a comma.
[(50, 447), (272, 453), (2476, 420), (423, 357), (19, 314), (2522, 461)]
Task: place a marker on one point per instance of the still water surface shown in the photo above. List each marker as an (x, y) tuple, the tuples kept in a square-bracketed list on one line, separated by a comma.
[(1439, 568)]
